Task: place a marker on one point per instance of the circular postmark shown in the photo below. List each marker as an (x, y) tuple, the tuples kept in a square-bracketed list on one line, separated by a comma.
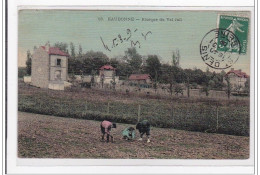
[(220, 48)]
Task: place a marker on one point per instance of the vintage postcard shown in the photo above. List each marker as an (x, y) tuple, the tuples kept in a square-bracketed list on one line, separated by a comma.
[(136, 84)]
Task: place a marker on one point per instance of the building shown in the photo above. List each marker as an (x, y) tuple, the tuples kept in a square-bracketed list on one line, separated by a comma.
[(49, 68), (237, 77), (140, 78), (107, 72)]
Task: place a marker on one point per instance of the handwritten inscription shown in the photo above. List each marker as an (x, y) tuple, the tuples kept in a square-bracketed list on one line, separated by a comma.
[(127, 38)]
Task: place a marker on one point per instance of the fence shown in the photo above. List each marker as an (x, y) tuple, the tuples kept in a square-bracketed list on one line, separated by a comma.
[(201, 117)]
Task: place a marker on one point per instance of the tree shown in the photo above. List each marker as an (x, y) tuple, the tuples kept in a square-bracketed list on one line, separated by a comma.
[(93, 77), (62, 46), (133, 59), (114, 62), (167, 77), (229, 86), (153, 66), (80, 51), (237, 88), (174, 60), (178, 89), (29, 63), (102, 79), (188, 86), (113, 81), (247, 86), (95, 60), (72, 50), (206, 89), (124, 70)]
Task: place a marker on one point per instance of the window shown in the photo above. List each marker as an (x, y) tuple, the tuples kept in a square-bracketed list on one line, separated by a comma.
[(58, 62)]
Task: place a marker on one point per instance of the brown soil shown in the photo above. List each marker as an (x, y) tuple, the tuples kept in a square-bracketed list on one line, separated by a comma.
[(42, 136)]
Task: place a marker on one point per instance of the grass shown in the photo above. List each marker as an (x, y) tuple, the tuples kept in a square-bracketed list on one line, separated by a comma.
[(179, 113)]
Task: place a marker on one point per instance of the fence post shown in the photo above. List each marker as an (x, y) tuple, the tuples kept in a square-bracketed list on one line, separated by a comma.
[(217, 119), (172, 113), (139, 112), (40, 104), (61, 109), (108, 107)]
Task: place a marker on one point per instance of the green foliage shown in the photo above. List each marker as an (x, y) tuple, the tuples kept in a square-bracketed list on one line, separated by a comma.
[(21, 72), (229, 86), (72, 50), (63, 46), (205, 88), (95, 59), (114, 62), (153, 66), (133, 62), (187, 115), (124, 70), (237, 88), (178, 89), (194, 85), (247, 86), (80, 51), (29, 63), (134, 59)]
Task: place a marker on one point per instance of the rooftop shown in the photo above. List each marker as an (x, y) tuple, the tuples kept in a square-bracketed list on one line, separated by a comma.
[(139, 77), (55, 51), (107, 67), (239, 73)]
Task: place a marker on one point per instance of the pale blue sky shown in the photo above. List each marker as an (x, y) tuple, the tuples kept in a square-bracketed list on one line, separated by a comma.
[(83, 27)]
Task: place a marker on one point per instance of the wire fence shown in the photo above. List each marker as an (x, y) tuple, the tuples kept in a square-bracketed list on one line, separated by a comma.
[(201, 117)]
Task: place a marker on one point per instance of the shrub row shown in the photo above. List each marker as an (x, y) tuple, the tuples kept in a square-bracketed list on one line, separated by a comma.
[(233, 120)]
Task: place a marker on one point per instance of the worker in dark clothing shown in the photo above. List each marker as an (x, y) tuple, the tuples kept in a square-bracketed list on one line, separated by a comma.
[(144, 128), (106, 127)]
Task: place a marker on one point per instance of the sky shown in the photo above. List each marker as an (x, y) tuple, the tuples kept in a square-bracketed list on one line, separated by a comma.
[(96, 30)]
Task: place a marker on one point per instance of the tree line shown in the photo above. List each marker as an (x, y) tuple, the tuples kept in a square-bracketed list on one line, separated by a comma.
[(132, 62)]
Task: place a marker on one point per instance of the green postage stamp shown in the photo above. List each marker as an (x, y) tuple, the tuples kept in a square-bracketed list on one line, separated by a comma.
[(239, 27)]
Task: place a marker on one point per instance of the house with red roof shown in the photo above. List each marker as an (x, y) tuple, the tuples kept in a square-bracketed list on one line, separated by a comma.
[(140, 78), (49, 68), (106, 73), (237, 77)]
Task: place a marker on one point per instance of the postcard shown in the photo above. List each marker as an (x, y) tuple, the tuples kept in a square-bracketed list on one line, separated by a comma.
[(134, 85)]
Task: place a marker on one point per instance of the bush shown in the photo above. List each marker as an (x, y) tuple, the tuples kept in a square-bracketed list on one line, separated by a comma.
[(233, 117), (21, 72)]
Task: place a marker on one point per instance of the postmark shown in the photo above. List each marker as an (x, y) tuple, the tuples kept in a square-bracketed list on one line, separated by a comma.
[(238, 26), (227, 55)]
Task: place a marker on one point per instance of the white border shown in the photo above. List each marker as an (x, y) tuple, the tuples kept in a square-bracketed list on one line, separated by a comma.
[(54, 165)]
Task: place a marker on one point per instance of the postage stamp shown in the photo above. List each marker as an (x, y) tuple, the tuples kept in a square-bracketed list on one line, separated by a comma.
[(239, 27), (220, 48)]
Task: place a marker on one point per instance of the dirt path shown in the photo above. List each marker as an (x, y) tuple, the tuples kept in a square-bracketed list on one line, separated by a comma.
[(43, 136)]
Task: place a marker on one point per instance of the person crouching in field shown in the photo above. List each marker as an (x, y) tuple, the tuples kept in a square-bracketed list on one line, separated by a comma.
[(129, 133), (106, 127), (144, 127)]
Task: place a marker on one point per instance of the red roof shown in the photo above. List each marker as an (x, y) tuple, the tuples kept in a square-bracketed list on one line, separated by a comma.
[(239, 73), (107, 67), (55, 51), (139, 77)]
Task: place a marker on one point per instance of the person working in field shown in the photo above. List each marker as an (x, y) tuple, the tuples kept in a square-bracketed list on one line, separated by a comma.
[(106, 127), (129, 133), (144, 127)]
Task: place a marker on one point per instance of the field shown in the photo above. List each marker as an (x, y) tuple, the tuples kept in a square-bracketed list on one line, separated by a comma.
[(44, 136), (193, 114)]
